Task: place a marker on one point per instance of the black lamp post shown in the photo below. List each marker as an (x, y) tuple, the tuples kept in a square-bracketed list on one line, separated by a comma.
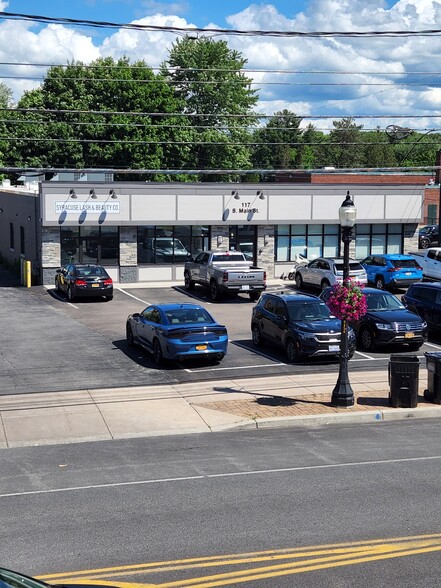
[(343, 395)]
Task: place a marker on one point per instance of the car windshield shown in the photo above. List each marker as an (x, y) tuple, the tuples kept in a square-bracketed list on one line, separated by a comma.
[(9, 579), (90, 271), (383, 301), (353, 266), (404, 263), (182, 316), (308, 311)]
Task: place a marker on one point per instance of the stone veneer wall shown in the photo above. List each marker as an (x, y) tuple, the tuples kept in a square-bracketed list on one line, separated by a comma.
[(50, 253), (265, 249), (128, 255)]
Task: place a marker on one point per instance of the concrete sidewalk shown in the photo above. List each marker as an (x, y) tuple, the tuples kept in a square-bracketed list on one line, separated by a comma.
[(252, 403)]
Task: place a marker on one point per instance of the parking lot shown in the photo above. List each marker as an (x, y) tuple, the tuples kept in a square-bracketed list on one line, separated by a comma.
[(86, 340)]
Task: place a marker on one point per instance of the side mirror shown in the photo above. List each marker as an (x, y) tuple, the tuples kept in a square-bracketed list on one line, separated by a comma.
[(190, 257)]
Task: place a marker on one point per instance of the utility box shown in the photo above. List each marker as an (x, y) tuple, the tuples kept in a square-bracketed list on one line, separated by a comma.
[(403, 381), (433, 364)]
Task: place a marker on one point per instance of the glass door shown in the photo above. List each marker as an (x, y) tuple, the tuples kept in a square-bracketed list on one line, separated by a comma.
[(244, 238)]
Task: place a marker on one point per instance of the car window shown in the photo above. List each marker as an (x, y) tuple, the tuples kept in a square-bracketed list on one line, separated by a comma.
[(269, 305), (308, 311), (383, 302), (314, 264), (147, 313), (155, 317), (227, 257), (431, 254), (279, 308), (367, 261), (427, 294), (353, 266), (181, 316)]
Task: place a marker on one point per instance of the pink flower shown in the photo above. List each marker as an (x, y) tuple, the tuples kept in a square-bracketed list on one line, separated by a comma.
[(347, 301)]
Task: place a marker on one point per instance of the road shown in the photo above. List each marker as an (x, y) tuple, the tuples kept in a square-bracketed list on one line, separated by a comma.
[(49, 344), (335, 506)]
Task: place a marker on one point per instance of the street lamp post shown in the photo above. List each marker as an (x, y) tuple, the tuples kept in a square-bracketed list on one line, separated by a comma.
[(343, 395)]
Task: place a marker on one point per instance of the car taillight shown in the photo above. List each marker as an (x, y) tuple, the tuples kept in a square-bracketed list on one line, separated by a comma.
[(225, 277), (108, 282), (80, 282), (418, 267), (264, 276)]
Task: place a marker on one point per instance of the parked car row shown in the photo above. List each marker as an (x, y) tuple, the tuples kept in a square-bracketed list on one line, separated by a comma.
[(383, 271)]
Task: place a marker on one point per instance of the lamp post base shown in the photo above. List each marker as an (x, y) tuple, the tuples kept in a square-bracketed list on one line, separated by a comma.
[(342, 395)]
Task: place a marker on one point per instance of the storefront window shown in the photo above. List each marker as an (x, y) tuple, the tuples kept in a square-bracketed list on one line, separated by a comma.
[(378, 238), (171, 244), (90, 245), (309, 240)]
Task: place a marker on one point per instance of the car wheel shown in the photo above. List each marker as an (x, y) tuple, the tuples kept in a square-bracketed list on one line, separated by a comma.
[(367, 339), (291, 276), (189, 284), (325, 284), (291, 351), (256, 336), (70, 295), (157, 352), (57, 286), (299, 281), (214, 291), (351, 354), (129, 336), (254, 296), (424, 243), (379, 283)]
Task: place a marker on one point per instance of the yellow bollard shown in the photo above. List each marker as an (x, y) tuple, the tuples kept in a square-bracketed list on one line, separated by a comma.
[(28, 274)]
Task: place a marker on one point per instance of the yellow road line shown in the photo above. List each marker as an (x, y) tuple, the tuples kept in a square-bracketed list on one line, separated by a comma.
[(320, 557)]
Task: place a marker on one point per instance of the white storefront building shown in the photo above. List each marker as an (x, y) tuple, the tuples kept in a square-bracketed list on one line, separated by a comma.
[(143, 232)]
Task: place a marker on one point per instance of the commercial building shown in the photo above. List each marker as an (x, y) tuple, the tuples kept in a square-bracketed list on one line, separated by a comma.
[(143, 232)]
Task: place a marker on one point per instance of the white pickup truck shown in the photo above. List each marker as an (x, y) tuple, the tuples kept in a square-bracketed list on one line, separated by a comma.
[(430, 261), (224, 272)]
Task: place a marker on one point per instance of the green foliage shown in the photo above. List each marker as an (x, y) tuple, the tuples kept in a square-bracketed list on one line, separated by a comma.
[(206, 77)]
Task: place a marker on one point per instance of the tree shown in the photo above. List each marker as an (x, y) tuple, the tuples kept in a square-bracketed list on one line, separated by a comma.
[(278, 143), (119, 119), (378, 152), (206, 76), (343, 150)]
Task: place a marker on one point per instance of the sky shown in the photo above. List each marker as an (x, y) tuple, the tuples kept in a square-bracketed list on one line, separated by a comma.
[(382, 80)]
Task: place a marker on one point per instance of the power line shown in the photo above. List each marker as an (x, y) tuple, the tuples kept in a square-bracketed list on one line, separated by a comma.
[(217, 31)]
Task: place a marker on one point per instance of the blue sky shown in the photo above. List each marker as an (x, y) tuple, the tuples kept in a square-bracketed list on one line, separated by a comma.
[(393, 79)]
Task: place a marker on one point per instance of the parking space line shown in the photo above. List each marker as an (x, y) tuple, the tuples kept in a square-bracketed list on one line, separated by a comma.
[(55, 294), (363, 355), (132, 296), (258, 352), (432, 345)]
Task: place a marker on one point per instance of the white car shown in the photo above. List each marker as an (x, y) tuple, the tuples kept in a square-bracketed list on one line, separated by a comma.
[(327, 271)]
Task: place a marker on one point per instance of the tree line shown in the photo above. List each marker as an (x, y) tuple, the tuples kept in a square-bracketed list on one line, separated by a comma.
[(197, 112)]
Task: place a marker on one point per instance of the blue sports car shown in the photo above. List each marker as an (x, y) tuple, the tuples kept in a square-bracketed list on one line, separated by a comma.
[(177, 331)]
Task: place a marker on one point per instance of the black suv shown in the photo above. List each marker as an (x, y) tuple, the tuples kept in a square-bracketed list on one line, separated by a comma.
[(425, 299), (300, 323), (428, 236)]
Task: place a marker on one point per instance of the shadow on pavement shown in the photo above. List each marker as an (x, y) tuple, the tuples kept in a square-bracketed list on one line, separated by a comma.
[(8, 279)]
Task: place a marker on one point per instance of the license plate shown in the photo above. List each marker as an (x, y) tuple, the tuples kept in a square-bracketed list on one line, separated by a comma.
[(95, 285), (408, 274), (245, 287), (409, 335), (201, 347), (334, 348)]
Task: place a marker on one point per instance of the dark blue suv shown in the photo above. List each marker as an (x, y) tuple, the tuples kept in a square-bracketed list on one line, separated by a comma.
[(425, 300), (300, 323), (392, 270)]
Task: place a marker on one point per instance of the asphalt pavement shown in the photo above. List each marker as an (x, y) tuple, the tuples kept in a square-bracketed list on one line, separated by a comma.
[(288, 400)]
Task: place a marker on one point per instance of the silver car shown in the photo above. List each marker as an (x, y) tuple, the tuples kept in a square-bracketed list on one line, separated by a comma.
[(327, 271)]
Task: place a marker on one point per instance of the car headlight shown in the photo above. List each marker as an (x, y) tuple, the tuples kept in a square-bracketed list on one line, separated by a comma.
[(306, 336), (351, 334), (384, 327)]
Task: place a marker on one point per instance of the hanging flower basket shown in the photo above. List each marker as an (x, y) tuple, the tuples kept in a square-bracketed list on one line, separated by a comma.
[(347, 301)]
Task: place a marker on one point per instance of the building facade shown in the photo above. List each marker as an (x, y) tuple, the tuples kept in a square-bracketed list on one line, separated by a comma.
[(144, 232)]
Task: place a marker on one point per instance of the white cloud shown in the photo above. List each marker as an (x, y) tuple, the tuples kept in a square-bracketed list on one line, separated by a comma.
[(365, 61)]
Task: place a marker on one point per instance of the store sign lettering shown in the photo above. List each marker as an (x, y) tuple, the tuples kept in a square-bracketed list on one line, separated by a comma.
[(245, 208), (91, 207)]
